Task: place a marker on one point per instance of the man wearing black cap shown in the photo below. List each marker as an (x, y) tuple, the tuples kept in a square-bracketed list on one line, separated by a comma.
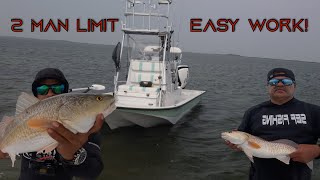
[(283, 117), (77, 155)]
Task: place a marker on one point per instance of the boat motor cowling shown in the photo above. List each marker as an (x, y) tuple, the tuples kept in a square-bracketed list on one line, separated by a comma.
[(183, 75), (116, 56)]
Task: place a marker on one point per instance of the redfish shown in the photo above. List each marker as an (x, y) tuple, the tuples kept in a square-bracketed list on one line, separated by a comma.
[(27, 130), (258, 147)]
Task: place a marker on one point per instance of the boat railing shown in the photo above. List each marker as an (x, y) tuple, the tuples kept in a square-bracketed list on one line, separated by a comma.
[(122, 81), (147, 14)]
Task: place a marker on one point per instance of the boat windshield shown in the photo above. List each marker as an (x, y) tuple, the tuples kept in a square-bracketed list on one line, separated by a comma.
[(145, 47)]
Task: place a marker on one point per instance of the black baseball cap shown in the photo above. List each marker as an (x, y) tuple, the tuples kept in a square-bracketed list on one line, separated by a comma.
[(49, 73), (276, 72)]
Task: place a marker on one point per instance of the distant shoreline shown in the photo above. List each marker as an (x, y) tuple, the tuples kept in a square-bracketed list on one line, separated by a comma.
[(229, 54)]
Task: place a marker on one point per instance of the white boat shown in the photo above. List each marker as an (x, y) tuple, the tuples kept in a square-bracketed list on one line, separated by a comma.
[(153, 90)]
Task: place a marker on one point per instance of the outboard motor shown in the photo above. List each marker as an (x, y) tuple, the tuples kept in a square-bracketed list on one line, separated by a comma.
[(183, 75)]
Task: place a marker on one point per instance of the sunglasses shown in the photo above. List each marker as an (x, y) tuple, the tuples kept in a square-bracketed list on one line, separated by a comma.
[(286, 82), (56, 89)]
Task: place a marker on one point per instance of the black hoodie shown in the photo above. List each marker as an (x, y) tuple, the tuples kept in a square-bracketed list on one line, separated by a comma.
[(49, 73), (49, 166)]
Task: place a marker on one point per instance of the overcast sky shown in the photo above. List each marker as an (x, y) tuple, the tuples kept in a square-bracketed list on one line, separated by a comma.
[(297, 45)]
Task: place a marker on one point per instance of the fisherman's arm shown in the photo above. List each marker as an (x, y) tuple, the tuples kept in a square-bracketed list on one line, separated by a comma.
[(69, 144), (317, 130), (233, 146), (93, 165), (308, 152), (242, 127)]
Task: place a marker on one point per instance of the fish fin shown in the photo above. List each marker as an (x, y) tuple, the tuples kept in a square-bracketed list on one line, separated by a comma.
[(284, 159), (6, 120), (39, 123), (249, 155), (287, 142), (13, 158), (24, 101), (254, 145), (310, 165), (71, 126), (48, 148)]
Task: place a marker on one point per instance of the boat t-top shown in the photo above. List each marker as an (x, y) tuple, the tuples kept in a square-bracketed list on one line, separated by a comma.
[(152, 89)]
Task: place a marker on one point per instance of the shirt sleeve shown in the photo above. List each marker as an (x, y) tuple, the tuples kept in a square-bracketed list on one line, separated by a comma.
[(93, 165), (317, 121), (244, 126), (317, 124)]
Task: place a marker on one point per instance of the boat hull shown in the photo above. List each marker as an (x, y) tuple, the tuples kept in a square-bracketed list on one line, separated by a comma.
[(146, 117)]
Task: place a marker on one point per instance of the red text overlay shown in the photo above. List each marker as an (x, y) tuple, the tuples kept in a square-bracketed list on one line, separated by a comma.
[(59, 25), (256, 25)]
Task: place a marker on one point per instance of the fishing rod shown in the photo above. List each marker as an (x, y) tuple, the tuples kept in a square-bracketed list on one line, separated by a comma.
[(96, 87)]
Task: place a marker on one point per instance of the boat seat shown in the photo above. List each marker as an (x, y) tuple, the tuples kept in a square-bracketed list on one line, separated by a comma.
[(136, 78), (142, 70), (138, 89), (147, 66)]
